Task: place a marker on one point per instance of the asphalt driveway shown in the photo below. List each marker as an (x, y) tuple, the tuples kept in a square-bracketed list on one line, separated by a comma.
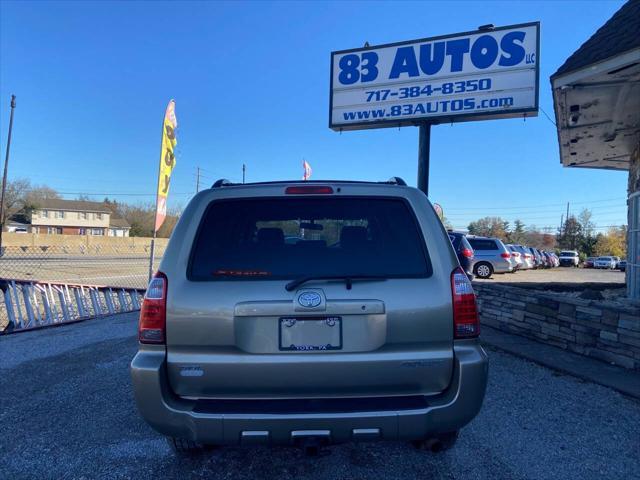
[(67, 411)]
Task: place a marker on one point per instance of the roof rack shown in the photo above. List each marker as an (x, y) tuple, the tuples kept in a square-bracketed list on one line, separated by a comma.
[(223, 182)]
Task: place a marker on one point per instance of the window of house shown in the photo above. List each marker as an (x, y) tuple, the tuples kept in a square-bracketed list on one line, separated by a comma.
[(44, 213), (59, 214), (82, 215), (54, 230), (99, 216), (97, 232), (82, 231)]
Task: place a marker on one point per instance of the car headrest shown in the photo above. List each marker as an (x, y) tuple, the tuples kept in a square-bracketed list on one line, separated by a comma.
[(351, 237), (270, 237)]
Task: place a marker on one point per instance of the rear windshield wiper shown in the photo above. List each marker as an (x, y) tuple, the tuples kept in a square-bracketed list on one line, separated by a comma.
[(293, 284)]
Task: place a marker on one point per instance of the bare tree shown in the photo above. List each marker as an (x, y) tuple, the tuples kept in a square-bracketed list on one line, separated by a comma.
[(14, 198)]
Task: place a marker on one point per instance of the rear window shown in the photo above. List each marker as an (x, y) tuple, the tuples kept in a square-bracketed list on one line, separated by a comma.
[(568, 254), (455, 241), (478, 244), (284, 238)]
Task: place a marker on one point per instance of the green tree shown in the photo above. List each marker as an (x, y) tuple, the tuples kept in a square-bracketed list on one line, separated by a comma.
[(517, 235), (570, 237)]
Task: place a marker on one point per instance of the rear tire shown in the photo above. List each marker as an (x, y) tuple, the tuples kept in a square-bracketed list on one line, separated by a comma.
[(483, 270)]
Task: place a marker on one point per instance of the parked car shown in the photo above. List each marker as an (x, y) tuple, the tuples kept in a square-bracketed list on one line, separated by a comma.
[(605, 262), (366, 328), (464, 252), (516, 258), (588, 263), (535, 257), (556, 259), (491, 256), (525, 256), (616, 260), (622, 265), (569, 258)]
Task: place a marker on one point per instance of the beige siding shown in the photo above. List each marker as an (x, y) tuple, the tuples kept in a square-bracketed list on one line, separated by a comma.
[(70, 219)]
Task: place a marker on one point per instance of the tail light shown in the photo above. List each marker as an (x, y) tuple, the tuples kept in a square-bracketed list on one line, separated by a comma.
[(466, 323), (527, 256), (467, 252), (153, 315), (505, 255)]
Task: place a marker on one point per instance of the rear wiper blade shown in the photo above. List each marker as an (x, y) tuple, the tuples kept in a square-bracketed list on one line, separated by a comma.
[(293, 284)]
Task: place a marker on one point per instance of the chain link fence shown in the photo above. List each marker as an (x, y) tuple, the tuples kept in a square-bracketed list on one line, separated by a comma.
[(119, 266)]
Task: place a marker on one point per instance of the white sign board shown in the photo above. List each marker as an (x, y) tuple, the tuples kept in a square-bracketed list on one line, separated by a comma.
[(467, 76)]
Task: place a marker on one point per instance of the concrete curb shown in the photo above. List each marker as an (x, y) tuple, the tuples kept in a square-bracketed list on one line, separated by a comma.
[(618, 378)]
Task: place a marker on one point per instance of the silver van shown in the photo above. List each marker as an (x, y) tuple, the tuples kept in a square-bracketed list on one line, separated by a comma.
[(309, 313), (491, 256)]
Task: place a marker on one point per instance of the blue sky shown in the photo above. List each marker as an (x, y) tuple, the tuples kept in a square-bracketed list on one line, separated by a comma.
[(251, 84)]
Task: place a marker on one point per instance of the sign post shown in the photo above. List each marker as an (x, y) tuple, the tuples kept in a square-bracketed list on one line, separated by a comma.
[(424, 147), (484, 74)]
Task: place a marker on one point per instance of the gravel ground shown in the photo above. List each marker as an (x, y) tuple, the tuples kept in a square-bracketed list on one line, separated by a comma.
[(560, 275), (67, 411)]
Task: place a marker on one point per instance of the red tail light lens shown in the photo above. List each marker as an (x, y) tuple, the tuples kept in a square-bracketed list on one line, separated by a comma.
[(466, 323), (505, 255), (153, 314), (467, 252), (309, 190)]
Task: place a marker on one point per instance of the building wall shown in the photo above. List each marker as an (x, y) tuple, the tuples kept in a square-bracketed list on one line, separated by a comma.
[(71, 219), (633, 235)]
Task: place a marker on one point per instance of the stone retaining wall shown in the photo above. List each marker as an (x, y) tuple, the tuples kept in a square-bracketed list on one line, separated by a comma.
[(604, 330)]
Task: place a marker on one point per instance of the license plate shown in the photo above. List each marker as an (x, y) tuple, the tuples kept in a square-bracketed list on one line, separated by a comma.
[(310, 334)]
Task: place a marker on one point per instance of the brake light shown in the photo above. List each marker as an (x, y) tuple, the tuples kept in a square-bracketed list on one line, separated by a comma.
[(309, 190), (515, 254), (153, 314), (466, 323), (505, 254), (467, 252), (527, 256)]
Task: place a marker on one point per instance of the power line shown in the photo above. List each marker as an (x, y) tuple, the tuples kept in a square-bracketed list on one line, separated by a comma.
[(548, 117)]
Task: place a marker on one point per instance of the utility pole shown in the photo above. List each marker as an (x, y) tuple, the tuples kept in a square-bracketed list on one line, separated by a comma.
[(197, 179), (567, 217), (4, 175), (561, 223), (244, 169)]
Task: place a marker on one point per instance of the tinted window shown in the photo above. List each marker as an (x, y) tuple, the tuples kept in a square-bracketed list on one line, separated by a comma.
[(479, 244), (455, 241), (268, 238)]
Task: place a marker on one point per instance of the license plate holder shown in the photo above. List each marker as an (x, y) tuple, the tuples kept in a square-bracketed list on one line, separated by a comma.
[(310, 334)]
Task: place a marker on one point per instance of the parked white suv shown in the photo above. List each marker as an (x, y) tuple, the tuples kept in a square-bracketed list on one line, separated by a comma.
[(569, 258)]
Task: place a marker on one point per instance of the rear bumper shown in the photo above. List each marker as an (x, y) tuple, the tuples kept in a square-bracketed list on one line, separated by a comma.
[(254, 422), (502, 267)]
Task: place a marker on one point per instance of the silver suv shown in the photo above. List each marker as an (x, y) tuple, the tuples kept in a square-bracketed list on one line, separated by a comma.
[(308, 313), (491, 256)]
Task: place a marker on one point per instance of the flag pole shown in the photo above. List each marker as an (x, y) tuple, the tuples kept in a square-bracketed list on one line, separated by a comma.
[(153, 238)]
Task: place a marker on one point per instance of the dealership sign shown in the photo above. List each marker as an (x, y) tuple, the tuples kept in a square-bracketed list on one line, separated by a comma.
[(490, 73)]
